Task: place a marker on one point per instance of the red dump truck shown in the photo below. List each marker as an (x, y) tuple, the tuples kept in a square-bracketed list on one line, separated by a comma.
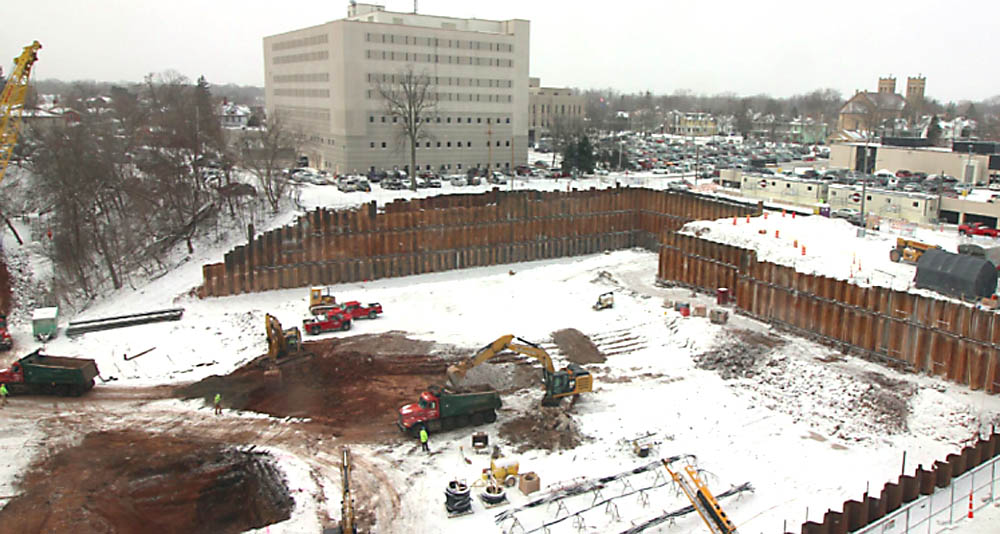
[(443, 409), (54, 375)]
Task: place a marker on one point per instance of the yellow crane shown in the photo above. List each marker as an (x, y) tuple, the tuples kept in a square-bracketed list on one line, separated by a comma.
[(703, 501), (12, 102)]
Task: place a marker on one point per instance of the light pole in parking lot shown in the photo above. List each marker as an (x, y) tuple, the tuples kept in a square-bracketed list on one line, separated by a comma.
[(864, 184)]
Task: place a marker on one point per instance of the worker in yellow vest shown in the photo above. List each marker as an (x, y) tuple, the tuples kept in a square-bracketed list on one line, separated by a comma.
[(423, 439)]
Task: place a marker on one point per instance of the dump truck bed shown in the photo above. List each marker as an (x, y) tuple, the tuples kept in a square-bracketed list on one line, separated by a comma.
[(39, 368), (466, 403)]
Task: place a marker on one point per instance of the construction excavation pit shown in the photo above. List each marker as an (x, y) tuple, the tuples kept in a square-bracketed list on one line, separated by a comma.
[(352, 386), (129, 481)]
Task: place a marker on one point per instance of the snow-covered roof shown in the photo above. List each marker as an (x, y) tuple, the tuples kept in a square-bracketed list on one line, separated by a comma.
[(236, 110), (41, 314)]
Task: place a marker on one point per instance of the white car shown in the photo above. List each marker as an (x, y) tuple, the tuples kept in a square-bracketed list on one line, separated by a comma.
[(457, 180)]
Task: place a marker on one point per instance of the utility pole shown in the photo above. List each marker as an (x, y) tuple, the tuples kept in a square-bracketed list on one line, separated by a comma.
[(489, 148)]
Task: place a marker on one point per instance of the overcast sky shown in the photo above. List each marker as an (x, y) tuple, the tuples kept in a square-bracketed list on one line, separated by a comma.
[(745, 47)]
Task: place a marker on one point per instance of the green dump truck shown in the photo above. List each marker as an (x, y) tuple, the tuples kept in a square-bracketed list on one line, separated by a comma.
[(54, 375), (443, 409)]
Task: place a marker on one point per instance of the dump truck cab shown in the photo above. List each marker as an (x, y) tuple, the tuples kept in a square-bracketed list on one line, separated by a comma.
[(427, 407)]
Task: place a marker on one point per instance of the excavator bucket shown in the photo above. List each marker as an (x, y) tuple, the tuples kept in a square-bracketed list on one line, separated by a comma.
[(456, 374)]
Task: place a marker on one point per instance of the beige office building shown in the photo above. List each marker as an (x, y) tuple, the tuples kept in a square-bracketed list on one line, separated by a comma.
[(549, 106), (321, 81), (968, 168)]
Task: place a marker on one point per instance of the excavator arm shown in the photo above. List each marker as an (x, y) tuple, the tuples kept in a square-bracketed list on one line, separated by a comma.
[(570, 381), (456, 373)]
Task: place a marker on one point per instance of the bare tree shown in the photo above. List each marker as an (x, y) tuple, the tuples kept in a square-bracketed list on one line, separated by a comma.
[(409, 100), (262, 152)]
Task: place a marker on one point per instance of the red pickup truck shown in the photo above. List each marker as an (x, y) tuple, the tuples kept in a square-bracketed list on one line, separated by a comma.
[(355, 310), (977, 228), (334, 319)]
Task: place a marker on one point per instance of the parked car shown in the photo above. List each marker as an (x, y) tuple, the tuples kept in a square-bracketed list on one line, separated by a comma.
[(852, 215), (977, 228), (457, 180), (497, 179), (363, 185)]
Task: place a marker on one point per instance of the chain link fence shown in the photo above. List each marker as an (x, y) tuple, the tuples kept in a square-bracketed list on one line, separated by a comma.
[(936, 512)]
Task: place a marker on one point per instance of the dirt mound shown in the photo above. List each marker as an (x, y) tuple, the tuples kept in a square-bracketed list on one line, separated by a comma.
[(577, 347), (548, 428), (353, 385), (741, 357), (125, 482)]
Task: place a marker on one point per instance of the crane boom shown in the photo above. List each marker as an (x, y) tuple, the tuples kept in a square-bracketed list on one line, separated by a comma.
[(702, 500), (12, 103)]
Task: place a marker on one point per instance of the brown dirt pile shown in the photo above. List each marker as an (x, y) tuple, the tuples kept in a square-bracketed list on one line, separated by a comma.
[(548, 428), (127, 481), (577, 347), (353, 385)]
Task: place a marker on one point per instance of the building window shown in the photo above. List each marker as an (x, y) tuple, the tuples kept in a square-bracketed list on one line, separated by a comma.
[(394, 120), (428, 144), (869, 197), (498, 143), (449, 144), (916, 204), (458, 144), (371, 118), (479, 120), (506, 143), (810, 188), (439, 144), (459, 166), (439, 120), (383, 118), (888, 201), (469, 120), (371, 145), (469, 144), (448, 120)]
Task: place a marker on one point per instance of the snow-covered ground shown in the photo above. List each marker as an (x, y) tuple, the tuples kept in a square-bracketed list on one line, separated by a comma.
[(807, 429), (833, 246)]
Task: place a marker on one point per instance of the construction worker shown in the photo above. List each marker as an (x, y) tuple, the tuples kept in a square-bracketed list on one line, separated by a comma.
[(3, 395), (423, 438), (218, 404)]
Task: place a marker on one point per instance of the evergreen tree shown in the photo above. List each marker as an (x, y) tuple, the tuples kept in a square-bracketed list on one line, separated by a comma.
[(934, 131), (570, 156), (585, 155)]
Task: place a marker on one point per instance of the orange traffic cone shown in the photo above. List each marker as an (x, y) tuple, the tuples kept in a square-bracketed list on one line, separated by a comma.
[(765, 215), (793, 214), (748, 218), (803, 250), (970, 505), (775, 233), (782, 213), (795, 243), (734, 221)]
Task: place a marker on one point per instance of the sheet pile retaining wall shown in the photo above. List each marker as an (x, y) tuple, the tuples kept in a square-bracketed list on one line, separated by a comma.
[(453, 232), (945, 338), (854, 515)]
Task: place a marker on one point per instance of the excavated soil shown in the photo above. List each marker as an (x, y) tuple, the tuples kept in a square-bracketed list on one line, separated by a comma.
[(6, 296), (577, 347), (354, 386), (548, 428), (128, 481)]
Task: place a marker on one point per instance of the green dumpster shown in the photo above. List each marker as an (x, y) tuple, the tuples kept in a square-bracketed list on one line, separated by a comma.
[(45, 323)]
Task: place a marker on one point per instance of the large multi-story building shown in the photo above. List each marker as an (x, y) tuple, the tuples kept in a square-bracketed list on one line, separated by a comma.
[(322, 81), (867, 111), (692, 123), (549, 106)]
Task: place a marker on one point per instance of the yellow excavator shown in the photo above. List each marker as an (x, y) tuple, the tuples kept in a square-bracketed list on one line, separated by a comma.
[(909, 250), (12, 102), (571, 380), (281, 343)]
